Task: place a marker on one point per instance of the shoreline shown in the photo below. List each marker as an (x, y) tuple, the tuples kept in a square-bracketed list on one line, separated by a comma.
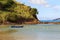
[(30, 23)]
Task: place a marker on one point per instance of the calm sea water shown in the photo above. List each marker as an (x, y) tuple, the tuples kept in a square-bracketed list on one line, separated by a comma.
[(37, 32)]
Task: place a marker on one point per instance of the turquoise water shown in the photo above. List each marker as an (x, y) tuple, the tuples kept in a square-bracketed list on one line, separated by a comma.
[(38, 32)]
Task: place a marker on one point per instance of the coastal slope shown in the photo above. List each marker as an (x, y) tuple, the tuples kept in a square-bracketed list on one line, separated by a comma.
[(12, 12)]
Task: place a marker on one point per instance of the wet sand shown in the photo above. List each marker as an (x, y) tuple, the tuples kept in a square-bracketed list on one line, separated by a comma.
[(6, 37), (16, 37)]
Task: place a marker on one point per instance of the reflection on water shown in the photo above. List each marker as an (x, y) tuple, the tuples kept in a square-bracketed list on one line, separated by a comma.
[(37, 32)]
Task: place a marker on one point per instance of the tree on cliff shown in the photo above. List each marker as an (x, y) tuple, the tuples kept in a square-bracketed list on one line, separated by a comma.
[(14, 12)]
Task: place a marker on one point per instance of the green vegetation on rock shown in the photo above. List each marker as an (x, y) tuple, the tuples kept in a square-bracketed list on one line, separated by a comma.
[(14, 12)]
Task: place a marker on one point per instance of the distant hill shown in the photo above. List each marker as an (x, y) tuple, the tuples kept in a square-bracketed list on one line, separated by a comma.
[(56, 20), (14, 12), (46, 20)]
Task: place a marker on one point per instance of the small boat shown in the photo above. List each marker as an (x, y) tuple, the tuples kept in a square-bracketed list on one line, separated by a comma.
[(17, 26)]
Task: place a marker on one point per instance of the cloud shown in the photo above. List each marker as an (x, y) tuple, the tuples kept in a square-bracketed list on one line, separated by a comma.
[(45, 4), (40, 2), (56, 7)]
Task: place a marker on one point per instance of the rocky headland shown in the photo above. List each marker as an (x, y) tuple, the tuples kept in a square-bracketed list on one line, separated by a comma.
[(12, 12)]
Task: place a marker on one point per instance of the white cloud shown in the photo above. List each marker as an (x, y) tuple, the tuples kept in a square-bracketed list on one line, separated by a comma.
[(56, 7), (40, 2), (45, 4)]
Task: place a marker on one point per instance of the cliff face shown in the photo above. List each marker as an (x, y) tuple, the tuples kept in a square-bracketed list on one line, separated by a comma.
[(13, 12)]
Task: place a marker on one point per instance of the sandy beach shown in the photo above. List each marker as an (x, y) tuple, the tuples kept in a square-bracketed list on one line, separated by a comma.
[(6, 37)]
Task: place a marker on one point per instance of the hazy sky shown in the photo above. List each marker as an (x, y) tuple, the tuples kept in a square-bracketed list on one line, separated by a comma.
[(48, 9)]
